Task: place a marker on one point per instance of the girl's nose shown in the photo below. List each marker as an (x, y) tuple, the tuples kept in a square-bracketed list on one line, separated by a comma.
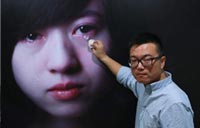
[(61, 55)]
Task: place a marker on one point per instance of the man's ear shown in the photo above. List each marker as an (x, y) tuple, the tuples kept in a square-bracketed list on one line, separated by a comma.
[(163, 61)]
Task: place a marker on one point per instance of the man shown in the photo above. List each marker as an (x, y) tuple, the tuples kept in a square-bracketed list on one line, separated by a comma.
[(161, 103)]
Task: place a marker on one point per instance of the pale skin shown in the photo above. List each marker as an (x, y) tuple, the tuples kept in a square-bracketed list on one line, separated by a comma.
[(142, 74), (55, 69)]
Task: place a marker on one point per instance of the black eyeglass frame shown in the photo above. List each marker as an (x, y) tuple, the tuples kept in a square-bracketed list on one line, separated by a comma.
[(142, 61)]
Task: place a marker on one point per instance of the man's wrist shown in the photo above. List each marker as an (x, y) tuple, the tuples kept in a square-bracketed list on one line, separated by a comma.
[(104, 58)]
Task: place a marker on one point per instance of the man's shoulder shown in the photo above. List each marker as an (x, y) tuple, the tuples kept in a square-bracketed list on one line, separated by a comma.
[(175, 95)]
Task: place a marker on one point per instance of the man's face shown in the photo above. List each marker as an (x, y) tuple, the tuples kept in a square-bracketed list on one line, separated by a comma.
[(151, 73)]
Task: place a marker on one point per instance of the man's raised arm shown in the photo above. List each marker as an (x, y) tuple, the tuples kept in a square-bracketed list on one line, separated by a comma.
[(99, 51)]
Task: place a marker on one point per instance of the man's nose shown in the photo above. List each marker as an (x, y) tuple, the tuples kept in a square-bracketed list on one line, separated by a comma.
[(61, 55), (140, 65)]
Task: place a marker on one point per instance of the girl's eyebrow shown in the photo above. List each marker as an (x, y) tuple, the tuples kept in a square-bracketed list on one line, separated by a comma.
[(91, 13)]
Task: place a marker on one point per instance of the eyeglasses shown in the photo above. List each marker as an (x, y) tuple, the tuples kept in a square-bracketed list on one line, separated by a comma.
[(146, 61)]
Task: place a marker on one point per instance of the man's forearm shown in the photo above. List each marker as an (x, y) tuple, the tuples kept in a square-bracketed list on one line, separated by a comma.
[(113, 65)]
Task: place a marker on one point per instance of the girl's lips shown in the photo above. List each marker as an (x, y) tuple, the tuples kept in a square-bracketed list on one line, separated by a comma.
[(65, 91)]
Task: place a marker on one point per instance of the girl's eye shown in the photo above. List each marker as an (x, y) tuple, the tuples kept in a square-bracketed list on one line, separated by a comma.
[(33, 36), (85, 29)]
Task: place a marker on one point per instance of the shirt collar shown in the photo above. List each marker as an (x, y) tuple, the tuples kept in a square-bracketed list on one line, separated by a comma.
[(159, 84)]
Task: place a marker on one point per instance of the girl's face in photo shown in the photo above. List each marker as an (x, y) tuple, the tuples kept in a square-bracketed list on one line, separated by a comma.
[(55, 67)]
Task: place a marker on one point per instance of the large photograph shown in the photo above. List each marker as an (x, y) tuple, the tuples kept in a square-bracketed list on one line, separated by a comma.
[(96, 63)]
